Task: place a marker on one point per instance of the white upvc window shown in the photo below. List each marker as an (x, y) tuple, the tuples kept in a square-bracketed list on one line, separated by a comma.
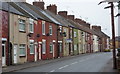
[(43, 46), (75, 47), (22, 50), (50, 29), (21, 25), (31, 46), (31, 25), (43, 27), (51, 48), (75, 34)]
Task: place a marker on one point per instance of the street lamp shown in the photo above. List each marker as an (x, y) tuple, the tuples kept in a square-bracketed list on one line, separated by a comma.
[(113, 28)]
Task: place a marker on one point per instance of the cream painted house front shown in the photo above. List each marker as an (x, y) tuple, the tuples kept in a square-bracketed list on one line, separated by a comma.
[(18, 38), (80, 41), (83, 42), (65, 43), (95, 43)]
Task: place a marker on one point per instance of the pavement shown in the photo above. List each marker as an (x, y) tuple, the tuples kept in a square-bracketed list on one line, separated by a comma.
[(109, 67), (30, 65)]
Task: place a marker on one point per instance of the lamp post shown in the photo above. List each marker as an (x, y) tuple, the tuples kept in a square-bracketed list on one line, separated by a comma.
[(113, 28)]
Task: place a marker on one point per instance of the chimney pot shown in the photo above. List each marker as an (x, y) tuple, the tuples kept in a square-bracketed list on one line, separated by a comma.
[(39, 4), (71, 17), (52, 8), (63, 13)]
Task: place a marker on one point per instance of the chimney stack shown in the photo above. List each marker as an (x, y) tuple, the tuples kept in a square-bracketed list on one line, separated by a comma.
[(79, 21), (96, 28), (82, 22), (52, 8), (63, 13), (71, 17), (39, 4)]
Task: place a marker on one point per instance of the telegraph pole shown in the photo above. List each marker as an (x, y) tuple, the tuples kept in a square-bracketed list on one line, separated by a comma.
[(113, 29), (113, 36)]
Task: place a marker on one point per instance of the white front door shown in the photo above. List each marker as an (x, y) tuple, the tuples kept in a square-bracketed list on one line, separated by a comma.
[(15, 54), (39, 52), (3, 55), (35, 52), (53, 51)]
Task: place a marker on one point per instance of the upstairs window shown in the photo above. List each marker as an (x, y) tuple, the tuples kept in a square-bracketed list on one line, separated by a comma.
[(43, 27), (75, 34), (21, 25), (31, 26), (50, 29)]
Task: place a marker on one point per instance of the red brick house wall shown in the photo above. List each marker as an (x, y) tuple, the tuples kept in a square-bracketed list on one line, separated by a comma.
[(5, 30), (32, 36), (48, 39)]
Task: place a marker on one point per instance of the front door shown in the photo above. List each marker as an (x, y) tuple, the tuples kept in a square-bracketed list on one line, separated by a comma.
[(3, 55), (53, 51), (15, 54), (35, 52), (39, 52)]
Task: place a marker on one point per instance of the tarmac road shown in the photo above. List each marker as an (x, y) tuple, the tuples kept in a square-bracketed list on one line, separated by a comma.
[(88, 63)]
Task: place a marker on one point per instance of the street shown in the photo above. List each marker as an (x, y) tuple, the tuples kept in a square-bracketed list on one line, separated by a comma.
[(88, 63)]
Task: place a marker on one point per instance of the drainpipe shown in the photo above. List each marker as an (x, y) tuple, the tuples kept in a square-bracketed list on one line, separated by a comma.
[(57, 43), (9, 52)]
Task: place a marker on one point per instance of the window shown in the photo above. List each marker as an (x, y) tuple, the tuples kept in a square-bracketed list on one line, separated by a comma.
[(75, 34), (22, 49), (51, 48), (75, 47), (31, 26), (60, 47), (43, 27), (31, 48), (50, 29), (43, 46), (21, 25)]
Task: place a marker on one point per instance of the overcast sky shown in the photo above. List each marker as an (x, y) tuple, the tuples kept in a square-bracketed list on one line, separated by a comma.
[(88, 10)]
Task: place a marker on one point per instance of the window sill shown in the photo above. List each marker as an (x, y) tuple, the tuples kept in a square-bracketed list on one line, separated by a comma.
[(51, 52), (22, 55), (43, 34), (31, 53), (22, 31), (43, 53), (31, 32)]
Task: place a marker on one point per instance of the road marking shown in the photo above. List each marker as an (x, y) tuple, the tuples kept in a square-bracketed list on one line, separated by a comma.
[(52, 71), (74, 63), (63, 66), (81, 60)]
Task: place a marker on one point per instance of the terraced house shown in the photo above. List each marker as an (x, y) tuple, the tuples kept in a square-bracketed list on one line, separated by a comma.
[(36, 33)]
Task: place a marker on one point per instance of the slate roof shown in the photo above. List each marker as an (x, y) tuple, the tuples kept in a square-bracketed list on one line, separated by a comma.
[(60, 19), (28, 10), (11, 9), (39, 12), (20, 9)]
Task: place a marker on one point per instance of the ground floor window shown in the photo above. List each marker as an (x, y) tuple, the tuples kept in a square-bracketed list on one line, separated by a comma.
[(22, 50), (43, 46), (51, 48), (75, 47), (31, 48), (60, 47)]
